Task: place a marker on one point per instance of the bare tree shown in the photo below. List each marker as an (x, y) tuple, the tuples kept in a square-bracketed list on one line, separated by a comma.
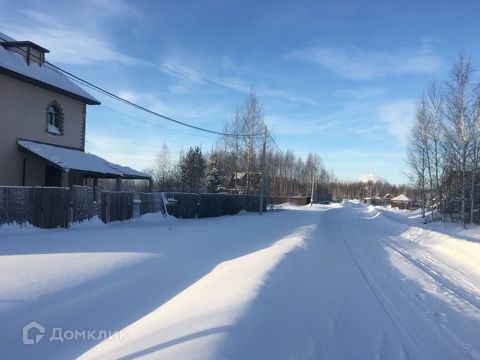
[(434, 109), (418, 152), (247, 120), (163, 164), (475, 149), (459, 124)]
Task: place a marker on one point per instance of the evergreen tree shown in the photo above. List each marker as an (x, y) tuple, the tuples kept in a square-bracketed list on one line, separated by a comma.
[(212, 182), (192, 170)]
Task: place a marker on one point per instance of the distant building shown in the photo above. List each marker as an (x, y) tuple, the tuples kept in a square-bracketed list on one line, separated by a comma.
[(43, 122), (387, 199), (402, 202), (243, 182), (373, 200)]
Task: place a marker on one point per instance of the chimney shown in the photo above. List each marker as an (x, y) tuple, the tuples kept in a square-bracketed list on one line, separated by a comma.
[(29, 50)]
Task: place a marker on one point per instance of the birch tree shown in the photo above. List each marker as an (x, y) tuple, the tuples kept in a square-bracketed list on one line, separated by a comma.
[(459, 126)]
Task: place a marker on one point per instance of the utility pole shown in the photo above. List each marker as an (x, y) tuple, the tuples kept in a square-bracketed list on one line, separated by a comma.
[(262, 178)]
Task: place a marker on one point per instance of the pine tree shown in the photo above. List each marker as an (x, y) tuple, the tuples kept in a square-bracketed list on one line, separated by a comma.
[(212, 182), (192, 170)]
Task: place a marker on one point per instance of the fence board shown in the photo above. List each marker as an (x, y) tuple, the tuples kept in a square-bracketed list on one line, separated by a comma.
[(151, 203), (297, 200), (209, 205), (116, 206), (82, 203)]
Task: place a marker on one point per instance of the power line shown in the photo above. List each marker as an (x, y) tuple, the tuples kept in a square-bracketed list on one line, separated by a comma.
[(155, 124), (275, 143), (128, 102)]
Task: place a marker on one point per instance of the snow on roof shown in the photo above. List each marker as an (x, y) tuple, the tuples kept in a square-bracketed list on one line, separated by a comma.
[(14, 62), (402, 198), (71, 159)]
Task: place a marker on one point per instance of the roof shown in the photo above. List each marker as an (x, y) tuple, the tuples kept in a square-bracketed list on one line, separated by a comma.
[(24, 43), (14, 64), (402, 198), (74, 159)]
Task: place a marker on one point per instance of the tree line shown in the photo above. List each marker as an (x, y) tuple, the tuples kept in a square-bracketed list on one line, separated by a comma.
[(233, 164), (361, 189), (444, 146)]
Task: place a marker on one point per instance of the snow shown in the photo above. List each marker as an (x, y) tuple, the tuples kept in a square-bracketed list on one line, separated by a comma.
[(15, 62), (71, 159), (53, 129), (342, 281), (402, 198)]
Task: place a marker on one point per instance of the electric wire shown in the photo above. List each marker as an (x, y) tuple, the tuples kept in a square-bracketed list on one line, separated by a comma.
[(101, 90)]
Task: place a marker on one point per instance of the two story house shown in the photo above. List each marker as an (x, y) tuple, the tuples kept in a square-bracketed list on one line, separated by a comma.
[(43, 121)]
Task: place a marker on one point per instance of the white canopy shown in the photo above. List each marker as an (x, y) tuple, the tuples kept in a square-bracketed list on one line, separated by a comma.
[(72, 159)]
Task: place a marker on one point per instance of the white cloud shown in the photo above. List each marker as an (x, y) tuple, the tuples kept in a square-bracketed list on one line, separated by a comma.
[(362, 93), (359, 64), (214, 72), (370, 177), (175, 108), (56, 32), (282, 125), (398, 116)]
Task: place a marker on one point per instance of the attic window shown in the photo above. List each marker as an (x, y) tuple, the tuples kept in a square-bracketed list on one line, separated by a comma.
[(54, 119)]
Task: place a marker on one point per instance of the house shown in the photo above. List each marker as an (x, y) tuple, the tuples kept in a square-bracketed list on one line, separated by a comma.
[(387, 199), (373, 200), (402, 202), (43, 121), (239, 181)]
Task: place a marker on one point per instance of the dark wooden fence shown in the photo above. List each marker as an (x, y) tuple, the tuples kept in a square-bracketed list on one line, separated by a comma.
[(151, 203), (183, 206), (15, 204), (45, 207), (51, 207), (116, 206), (188, 206), (297, 200), (82, 203)]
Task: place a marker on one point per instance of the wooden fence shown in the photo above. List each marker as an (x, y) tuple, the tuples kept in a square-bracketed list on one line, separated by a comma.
[(45, 207), (188, 206), (82, 203), (297, 200), (15, 204), (116, 206), (51, 207), (151, 203)]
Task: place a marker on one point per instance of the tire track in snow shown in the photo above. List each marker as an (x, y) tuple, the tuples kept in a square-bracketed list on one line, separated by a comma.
[(443, 281), (447, 344), (403, 336), (452, 280)]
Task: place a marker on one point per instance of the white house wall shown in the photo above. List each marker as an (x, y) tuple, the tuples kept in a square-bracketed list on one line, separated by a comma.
[(23, 115)]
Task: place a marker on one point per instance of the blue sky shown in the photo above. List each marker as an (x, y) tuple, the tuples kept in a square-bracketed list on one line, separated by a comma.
[(339, 78)]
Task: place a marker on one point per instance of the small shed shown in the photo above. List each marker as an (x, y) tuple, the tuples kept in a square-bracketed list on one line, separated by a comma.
[(402, 202)]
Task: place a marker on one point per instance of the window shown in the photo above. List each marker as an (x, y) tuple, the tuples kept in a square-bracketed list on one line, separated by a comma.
[(54, 119)]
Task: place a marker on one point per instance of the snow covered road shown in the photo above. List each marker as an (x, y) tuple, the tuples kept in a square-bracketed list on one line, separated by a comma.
[(341, 281)]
